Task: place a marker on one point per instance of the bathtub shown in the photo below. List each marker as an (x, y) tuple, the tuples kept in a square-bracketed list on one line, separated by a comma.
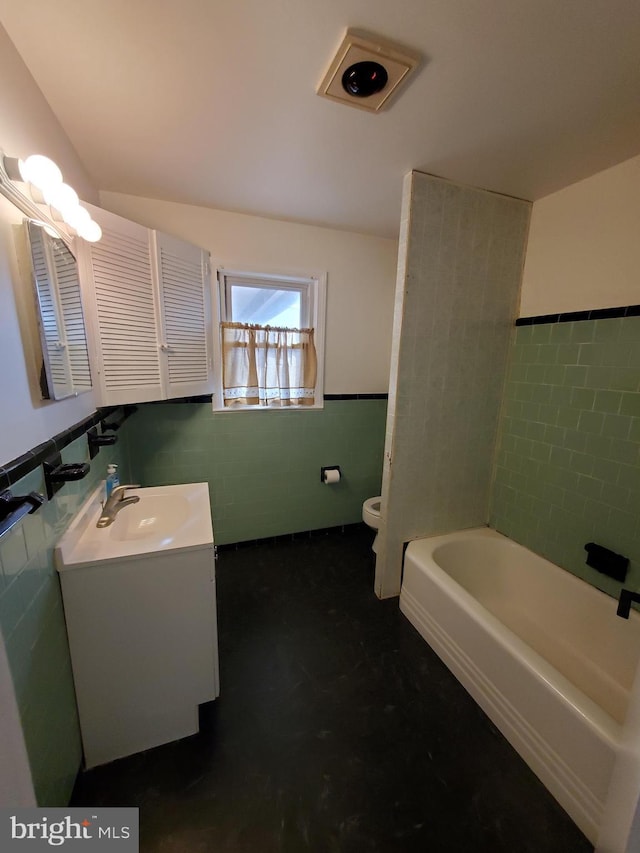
[(541, 651)]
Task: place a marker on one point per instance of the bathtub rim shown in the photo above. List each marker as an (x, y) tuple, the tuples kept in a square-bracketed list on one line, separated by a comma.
[(594, 715)]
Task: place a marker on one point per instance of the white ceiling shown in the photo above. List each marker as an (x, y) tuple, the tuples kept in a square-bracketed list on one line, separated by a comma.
[(212, 102)]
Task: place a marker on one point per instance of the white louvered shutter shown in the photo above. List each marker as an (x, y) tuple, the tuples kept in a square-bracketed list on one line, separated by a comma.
[(73, 317), (119, 270), (183, 279), (51, 326)]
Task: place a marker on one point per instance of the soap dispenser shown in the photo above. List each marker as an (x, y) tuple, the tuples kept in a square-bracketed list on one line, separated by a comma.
[(112, 479)]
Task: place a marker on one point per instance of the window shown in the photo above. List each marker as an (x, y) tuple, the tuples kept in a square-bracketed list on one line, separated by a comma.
[(267, 303), (271, 341)]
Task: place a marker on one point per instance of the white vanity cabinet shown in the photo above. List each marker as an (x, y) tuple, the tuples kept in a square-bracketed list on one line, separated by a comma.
[(140, 607), (147, 297)]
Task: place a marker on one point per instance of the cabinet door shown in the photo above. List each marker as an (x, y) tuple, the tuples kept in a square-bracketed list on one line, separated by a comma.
[(119, 272), (184, 294)]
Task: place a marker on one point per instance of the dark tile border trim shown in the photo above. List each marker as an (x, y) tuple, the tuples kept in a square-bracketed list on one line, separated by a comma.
[(201, 398), (356, 396), (291, 537), (17, 468), (573, 316), (206, 398)]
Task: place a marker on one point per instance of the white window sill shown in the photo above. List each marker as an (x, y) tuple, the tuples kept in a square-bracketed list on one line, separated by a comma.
[(315, 407)]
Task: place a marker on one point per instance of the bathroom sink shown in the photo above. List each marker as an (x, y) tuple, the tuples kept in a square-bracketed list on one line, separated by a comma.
[(165, 518), (158, 516)]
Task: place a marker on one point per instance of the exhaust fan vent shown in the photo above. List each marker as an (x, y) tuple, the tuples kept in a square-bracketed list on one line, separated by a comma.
[(366, 71)]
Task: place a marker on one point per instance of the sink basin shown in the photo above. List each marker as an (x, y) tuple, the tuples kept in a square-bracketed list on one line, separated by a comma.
[(155, 516), (165, 518)]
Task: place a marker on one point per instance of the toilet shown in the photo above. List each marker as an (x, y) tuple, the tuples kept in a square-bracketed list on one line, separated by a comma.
[(371, 516)]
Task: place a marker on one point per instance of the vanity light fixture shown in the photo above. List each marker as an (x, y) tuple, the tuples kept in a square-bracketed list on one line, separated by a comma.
[(40, 171), (46, 187), (61, 196)]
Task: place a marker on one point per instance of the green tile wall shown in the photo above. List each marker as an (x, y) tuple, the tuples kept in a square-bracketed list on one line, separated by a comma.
[(263, 468), (264, 474), (33, 627), (568, 463)]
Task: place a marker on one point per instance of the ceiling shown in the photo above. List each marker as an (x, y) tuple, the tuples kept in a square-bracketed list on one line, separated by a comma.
[(212, 102)]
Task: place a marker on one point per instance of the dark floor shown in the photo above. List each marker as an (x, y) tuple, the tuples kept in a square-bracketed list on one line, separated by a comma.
[(337, 729)]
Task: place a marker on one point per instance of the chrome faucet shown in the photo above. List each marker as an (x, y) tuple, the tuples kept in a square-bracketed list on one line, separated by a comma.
[(115, 502)]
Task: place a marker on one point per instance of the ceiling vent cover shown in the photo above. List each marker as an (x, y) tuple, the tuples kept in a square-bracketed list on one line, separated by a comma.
[(366, 71)]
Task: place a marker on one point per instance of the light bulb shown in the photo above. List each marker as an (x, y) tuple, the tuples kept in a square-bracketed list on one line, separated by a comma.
[(61, 196), (40, 171), (90, 231), (76, 216)]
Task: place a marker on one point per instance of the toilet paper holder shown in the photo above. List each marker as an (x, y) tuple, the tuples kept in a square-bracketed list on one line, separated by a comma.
[(325, 469)]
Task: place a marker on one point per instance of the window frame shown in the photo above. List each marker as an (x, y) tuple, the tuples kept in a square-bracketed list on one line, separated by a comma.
[(314, 289)]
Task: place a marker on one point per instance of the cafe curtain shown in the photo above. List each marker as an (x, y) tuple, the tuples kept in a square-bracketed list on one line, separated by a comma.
[(267, 366)]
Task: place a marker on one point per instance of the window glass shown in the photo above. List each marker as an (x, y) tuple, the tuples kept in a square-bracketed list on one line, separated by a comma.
[(266, 306)]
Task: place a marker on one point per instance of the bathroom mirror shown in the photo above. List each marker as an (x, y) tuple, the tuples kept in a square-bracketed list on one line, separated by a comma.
[(65, 356)]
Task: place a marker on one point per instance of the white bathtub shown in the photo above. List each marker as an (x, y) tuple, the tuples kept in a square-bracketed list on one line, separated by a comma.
[(542, 652)]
